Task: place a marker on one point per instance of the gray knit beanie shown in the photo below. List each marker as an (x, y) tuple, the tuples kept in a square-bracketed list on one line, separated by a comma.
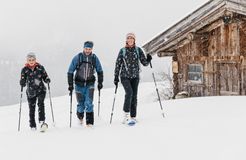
[(31, 55)]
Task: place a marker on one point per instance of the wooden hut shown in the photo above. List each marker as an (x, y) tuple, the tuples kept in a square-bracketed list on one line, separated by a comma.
[(208, 49)]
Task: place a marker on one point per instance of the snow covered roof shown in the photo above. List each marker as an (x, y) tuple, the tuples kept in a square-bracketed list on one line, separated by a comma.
[(204, 15)]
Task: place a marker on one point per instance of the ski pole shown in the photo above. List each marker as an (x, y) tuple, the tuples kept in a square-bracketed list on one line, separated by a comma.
[(51, 107), (116, 87), (99, 97), (71, 100), (157, 91), (20, 108)]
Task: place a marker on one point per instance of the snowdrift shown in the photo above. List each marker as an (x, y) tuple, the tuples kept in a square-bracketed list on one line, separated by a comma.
[(210, 128)]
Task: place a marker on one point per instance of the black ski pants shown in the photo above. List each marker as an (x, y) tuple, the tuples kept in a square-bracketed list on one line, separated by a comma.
[(131, 91), (32, 106)]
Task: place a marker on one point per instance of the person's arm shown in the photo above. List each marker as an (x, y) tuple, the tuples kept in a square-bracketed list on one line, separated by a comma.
[(118, 64), (45, 76), (71, 69), (142, 57), (23, 77), (99, 70)]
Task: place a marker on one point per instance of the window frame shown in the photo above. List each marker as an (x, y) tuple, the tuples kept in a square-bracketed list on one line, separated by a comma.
[(201, 73)]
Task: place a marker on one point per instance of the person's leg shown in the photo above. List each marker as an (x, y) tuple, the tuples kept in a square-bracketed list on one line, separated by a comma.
[(89, 105), (32, 105), (134, 85), (128, 99), (128, 94), (80, 100), (41, 109)]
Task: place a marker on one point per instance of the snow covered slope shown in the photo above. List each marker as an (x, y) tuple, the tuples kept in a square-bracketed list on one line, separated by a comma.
[(212, 128)]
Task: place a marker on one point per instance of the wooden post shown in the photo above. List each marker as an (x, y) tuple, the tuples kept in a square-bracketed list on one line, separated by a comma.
[(175, 78)]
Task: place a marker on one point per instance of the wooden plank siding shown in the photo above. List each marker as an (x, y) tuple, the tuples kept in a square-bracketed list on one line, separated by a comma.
[(222, 52), (209, 48)]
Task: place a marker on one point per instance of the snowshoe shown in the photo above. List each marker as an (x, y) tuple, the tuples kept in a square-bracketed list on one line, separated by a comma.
[(131, 122)]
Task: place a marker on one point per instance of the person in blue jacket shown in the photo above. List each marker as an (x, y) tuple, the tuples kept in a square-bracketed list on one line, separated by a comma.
[(85, 64)]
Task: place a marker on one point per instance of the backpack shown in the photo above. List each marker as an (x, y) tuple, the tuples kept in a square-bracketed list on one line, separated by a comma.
[(124, 52), (86, 69), (81, 60)]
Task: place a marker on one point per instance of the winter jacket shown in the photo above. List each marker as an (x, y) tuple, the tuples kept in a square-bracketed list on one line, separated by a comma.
[(34, 77), (85, 66), (127, 66)]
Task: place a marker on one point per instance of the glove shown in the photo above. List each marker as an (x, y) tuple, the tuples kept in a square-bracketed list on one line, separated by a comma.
[(70, 82), (70, 88), (116, 80), (70, 79), (99, 86), (100, 77), (149, 57), (23, 82), (47, 80)]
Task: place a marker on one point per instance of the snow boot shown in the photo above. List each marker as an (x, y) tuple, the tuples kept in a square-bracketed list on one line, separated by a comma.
[(80, 121), (134, 119), (126, 118), (33, 128), (89, 118), (80, 117), (90, 126), (43, 127)]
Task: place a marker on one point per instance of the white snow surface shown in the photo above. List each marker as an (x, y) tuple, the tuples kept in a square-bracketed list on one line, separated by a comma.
[(210, 128)]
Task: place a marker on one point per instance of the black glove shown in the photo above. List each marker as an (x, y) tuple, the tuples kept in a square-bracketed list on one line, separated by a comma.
[(99, 86), (116, 80), (149, 57), (70, 79), (47, 80), (23, 82), (70, 88), (70, 82), (100, 77)]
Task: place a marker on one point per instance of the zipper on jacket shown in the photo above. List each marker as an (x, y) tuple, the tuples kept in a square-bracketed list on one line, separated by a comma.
[(86, 70)]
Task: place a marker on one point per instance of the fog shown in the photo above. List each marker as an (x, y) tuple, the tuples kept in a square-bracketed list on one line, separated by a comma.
[(56, 29)]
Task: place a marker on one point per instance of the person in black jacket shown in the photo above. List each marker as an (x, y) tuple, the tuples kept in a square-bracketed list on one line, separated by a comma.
[(128, 68), (33, 75)]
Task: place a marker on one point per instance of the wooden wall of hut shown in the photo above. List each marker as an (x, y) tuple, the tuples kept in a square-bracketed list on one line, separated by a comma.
[(221, 50)]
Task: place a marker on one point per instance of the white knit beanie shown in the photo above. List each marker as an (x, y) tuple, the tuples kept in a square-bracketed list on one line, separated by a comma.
[(131, 35)]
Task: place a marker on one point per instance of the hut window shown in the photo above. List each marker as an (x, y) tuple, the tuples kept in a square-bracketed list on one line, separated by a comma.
[(195, 73)]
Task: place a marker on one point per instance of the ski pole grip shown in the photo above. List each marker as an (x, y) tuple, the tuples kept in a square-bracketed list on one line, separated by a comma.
[(21, 88)]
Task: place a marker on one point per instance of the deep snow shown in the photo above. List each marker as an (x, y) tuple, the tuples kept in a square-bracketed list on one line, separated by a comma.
[(211, 128)]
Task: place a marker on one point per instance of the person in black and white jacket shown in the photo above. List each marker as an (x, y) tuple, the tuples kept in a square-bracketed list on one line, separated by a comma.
[(127, 67)]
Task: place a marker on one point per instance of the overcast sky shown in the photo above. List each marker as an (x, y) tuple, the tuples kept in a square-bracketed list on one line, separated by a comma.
[(53, 28), (43, 25)]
